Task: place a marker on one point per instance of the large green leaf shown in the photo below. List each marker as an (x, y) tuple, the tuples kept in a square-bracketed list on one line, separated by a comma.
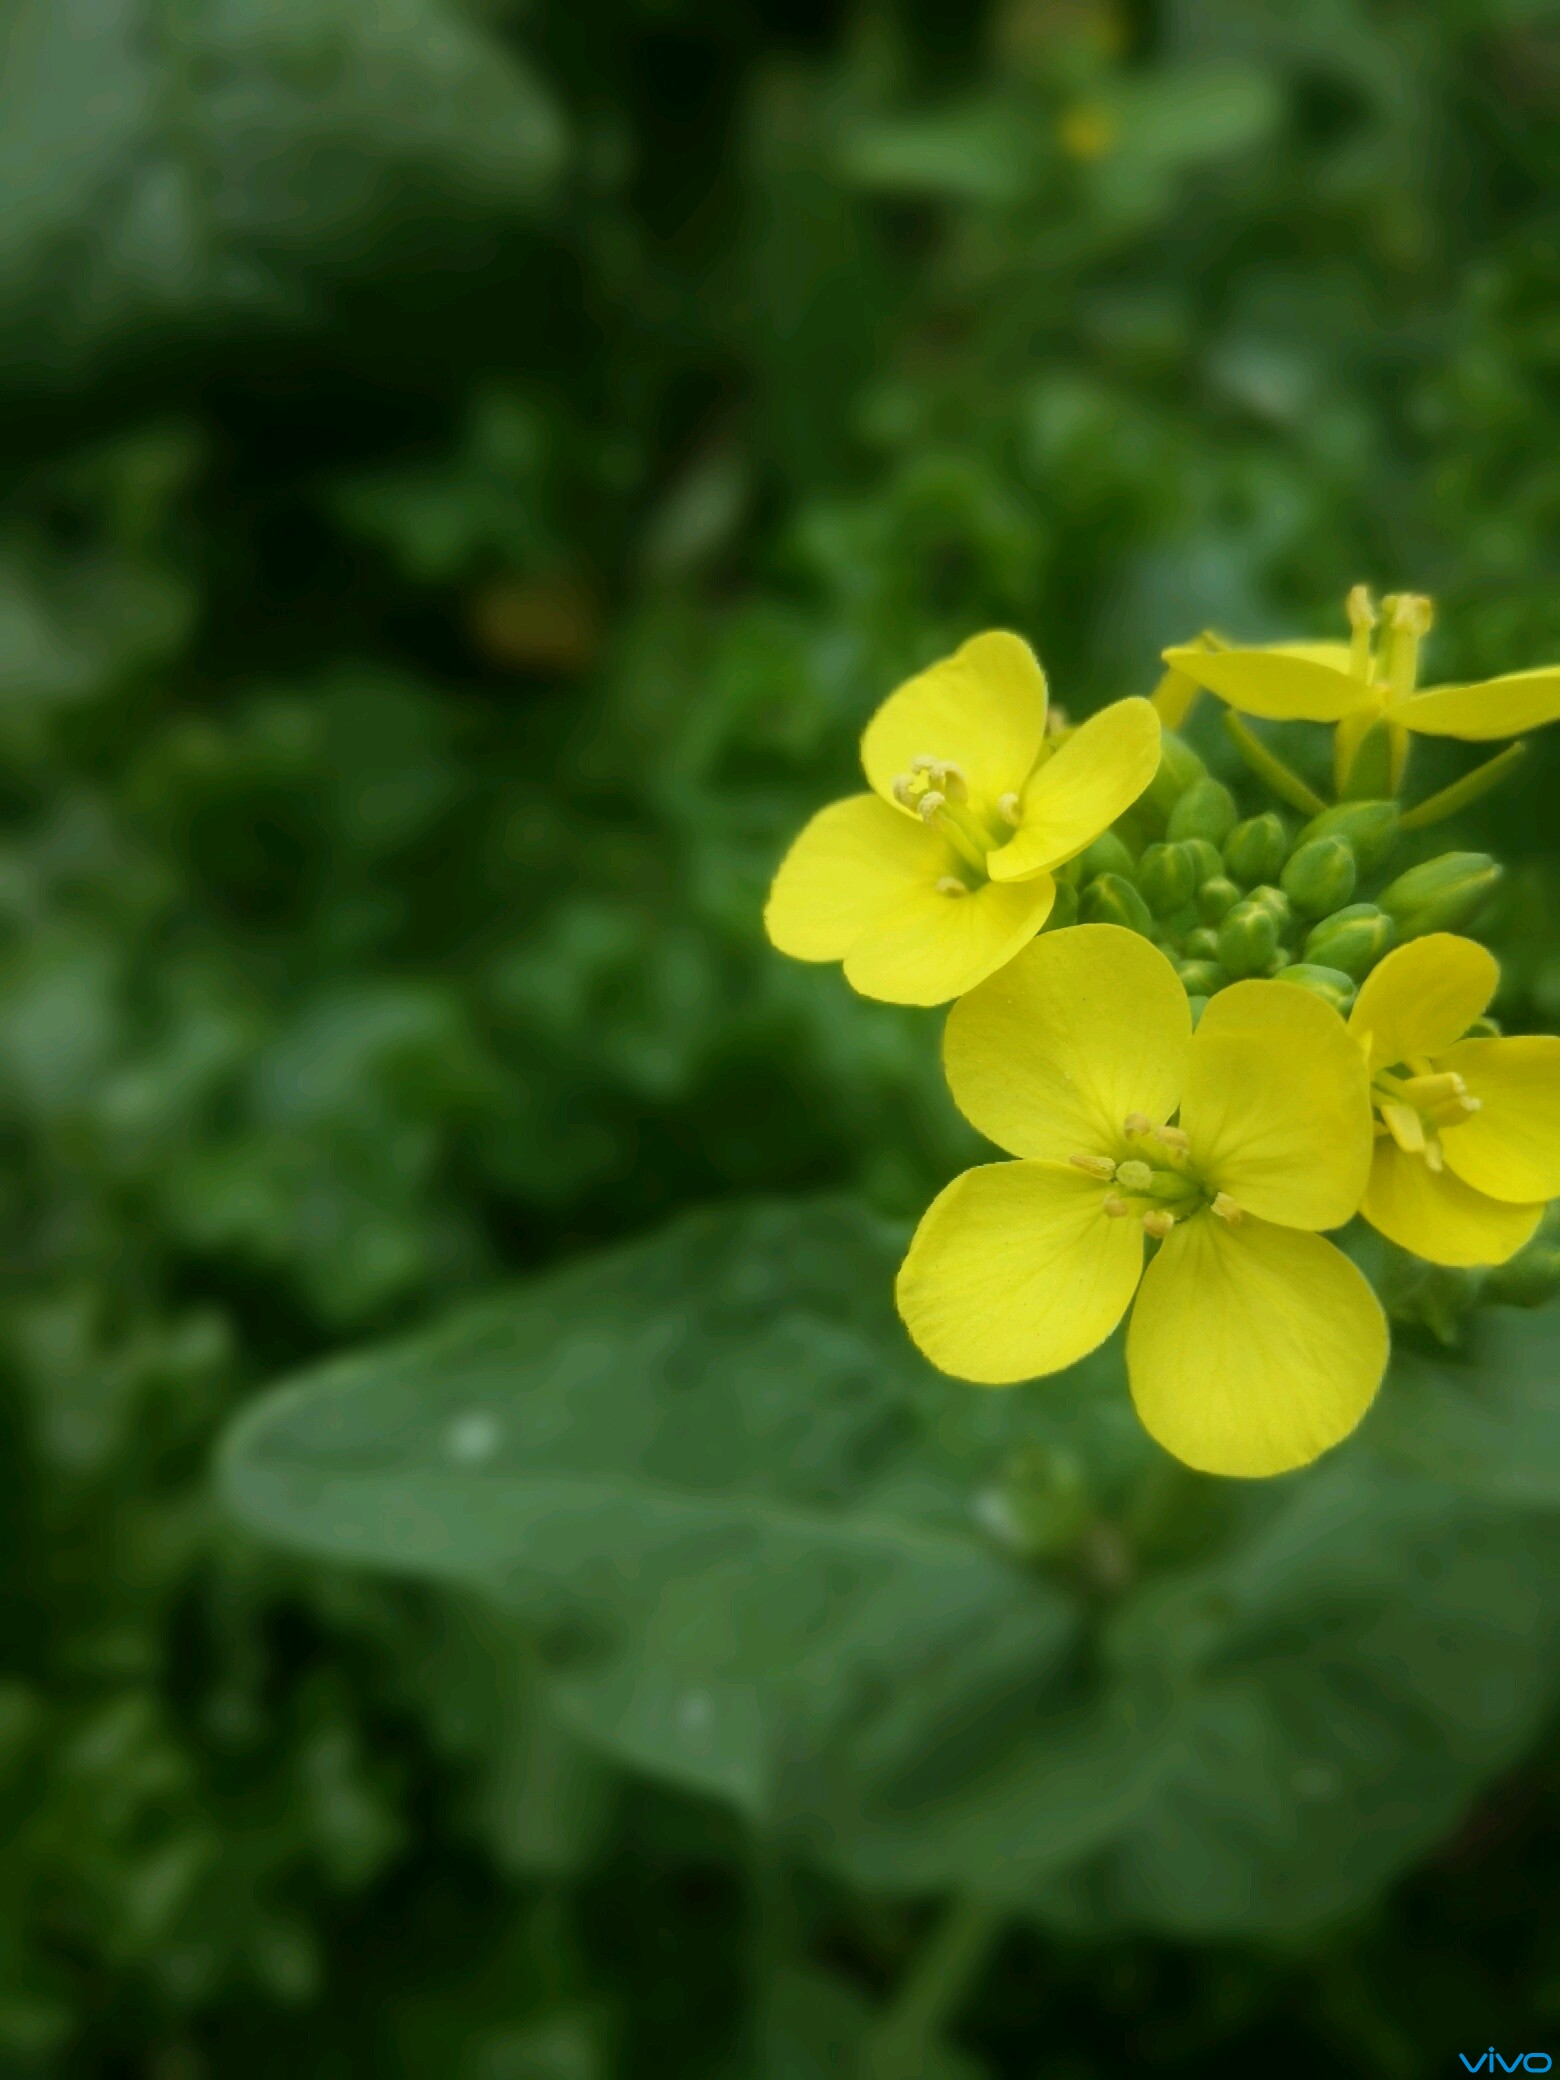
[(1354, 1670), (1485, 1419), (705, 1472)]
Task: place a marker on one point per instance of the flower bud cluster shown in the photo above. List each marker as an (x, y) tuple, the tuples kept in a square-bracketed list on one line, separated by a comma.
[(1229, 897)]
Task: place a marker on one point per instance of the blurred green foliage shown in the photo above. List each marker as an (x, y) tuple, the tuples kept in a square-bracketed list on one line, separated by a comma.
[(470, 472)]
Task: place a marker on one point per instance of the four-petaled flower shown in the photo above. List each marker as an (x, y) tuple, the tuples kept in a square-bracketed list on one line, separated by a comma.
[(1254, 1344), (930, 883), (1468, 1140), (1357, 686)]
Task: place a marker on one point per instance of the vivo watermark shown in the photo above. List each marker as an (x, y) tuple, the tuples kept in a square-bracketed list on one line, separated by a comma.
[(1491, 2062)]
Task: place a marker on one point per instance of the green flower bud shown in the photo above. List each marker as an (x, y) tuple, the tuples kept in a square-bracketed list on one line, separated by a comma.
[(1248, 938), (1167, 875), (1201, 978), (1107, 855), (1064, 911), (1275, 900), (1353, 939), (1179, 769), (1320, 875), (1111, 899), (1206, 810), (1371, 829), (1202, 944), (1329, 983), (1256, 849), (1208, 858), (1441, 893), (1215, 898)]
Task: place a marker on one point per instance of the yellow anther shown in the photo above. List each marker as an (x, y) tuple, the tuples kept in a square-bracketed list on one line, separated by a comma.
[(1057, 720), (904, 790), (1470, 1104), (1435, 1161), (1010, 809), (1097, 1166), (950, 885), (929, 804), (1358, 607), (1158, 1222), (1116, 1206), (1134, 1176), (1172, 1137), (950, 778), (925, 763), (1414, 613), (1137, 1123), (1227, 1210)]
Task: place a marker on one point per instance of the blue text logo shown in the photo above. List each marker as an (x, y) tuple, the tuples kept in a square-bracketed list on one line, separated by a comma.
[(1491, 2062)]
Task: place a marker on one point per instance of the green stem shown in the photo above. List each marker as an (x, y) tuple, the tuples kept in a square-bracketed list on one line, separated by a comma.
[(932, 1991), (1436, 807), (1285, 783)]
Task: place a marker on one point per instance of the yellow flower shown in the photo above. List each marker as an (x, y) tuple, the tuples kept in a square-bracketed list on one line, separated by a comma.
[(1358, 684), (1468, 1140), (928, 884), (1254, 1344)]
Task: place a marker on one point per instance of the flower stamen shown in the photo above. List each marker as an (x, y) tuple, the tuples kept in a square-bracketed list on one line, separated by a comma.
[(1096, 1166)]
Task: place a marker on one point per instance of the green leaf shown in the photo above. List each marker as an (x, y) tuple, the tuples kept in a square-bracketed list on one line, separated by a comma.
[(1485, 1420), (705, 1472), (1355, 1668)]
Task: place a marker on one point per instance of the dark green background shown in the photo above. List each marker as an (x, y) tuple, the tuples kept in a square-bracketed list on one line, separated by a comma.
[(469, 471)]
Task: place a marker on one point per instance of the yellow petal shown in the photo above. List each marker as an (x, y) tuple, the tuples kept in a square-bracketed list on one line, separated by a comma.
[(932, 947), (1277, 1105), (1510, 1147), (852, 865), (1438, 1217), (1422, 997), (1085, 1026), (1252, 1349), (1174, 698), (1502, 707), (1336, 656), (1284, 684), (983, 708), (1097, 773), (1015, 1270)]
